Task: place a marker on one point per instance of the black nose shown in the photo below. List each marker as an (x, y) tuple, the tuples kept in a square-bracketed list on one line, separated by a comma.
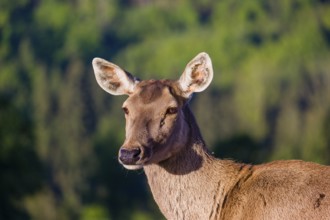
[(129, 156)]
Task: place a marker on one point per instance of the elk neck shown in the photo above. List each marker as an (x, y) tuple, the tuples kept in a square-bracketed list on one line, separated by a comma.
[(189, 180)]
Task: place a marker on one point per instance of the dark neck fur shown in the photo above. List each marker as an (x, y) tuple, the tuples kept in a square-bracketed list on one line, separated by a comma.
[(195, 151)]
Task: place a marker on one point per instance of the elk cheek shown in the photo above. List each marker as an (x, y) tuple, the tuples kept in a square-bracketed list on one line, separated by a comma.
[(161, 137)]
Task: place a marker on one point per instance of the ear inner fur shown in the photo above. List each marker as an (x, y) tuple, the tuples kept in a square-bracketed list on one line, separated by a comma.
[(112, 78), (197, 75)]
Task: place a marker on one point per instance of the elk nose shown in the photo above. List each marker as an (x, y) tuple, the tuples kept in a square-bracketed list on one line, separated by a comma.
[(129, 156)]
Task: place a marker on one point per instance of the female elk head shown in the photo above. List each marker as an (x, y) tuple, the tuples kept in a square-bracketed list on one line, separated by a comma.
[(156, 127)]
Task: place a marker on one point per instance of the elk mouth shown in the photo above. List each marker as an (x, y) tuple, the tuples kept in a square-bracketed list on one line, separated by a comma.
[(134, 158)]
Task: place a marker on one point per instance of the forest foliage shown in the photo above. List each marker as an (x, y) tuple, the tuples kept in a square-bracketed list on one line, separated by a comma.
[(60, 133)]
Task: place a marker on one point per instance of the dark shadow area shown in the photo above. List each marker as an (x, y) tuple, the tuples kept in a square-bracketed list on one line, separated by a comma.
[(184, 163)]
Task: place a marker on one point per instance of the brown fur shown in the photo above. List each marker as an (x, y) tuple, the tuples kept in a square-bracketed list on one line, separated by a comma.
[(195, 185), (186, 181)]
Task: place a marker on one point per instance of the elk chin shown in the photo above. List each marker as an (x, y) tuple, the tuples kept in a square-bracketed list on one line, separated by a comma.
[(133, 167)]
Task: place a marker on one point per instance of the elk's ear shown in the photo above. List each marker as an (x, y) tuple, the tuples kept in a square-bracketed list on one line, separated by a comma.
[(112, 78), (197, 76)]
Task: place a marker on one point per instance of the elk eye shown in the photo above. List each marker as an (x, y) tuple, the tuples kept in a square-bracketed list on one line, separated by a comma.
[(171, 110), (125, 110)]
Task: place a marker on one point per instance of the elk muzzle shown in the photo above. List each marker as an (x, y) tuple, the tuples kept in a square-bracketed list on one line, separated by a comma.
[(134, 158), (129, 156)]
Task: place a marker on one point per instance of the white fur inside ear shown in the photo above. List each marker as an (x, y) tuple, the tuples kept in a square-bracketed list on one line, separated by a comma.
[(197, 76), (112, 78)]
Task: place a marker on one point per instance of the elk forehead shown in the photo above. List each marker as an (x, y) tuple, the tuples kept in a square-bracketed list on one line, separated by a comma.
[(152, 91)]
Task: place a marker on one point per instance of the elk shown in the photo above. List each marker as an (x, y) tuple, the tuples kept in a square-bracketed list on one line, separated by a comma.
[(186, 180)]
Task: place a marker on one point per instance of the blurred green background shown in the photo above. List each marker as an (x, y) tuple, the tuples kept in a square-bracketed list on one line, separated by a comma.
[(60, 133)]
